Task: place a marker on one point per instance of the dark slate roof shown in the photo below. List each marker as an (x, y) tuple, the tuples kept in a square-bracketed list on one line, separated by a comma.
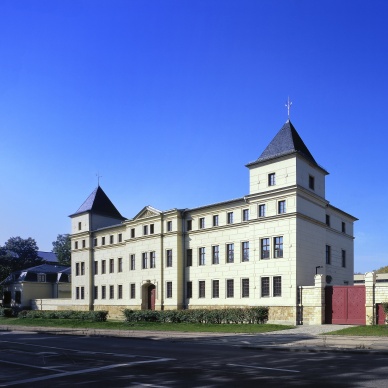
[(53, 273), (48, 256), (287, 141), (99, 203)]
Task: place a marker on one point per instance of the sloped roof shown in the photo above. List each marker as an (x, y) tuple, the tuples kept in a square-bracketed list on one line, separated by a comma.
[(99, 203), (287, 141), (48, 256)]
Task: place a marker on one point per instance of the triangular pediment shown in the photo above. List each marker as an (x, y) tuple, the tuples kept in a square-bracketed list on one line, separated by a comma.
[(147, 212)]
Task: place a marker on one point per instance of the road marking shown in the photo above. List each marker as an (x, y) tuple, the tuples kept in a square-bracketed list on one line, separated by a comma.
[(148, 385), (84, 371), (262, 367), (30, 366)]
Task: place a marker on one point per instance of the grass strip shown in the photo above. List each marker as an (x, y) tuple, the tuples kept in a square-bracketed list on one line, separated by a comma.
[(374, 330), (152, 326)]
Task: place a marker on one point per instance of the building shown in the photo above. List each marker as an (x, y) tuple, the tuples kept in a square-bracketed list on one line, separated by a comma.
[(42, 281), (250, 251)]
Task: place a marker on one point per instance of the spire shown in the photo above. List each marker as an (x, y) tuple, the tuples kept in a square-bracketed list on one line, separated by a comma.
[(99, 203), (287, 141)]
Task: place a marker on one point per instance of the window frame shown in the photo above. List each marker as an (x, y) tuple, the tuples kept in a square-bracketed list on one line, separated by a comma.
[(144, 260), (271, 179), (215, 220), (189, 257), (278, 247), (265, 286), (201, 289), (229, 288), (168, 290), (282, 206), (328, 254), (215, 254), (229, 218), (245, 288), (245, 251), (276, 286), (201, 256), (169, 258), (262, 210), (245, 215)]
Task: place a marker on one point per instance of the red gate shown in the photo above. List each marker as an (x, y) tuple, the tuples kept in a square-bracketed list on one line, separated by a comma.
[(381, 317), (345, 305)]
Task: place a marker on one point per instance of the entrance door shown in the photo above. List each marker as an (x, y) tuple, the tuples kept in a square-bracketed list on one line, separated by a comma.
[(151, 297)]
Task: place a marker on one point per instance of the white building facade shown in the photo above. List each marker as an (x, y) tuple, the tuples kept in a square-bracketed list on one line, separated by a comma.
[(251, 251)]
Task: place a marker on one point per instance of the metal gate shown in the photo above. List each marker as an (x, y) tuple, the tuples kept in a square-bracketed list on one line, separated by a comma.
[(345, 305)]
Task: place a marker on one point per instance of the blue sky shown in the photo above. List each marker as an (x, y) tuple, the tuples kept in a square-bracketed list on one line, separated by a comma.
[(168, 100)]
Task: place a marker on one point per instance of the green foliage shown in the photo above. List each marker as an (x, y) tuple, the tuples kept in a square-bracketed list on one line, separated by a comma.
[(6, 312), (92, 316), (62, 248), (385, 308), (248, 315), (382, 270)]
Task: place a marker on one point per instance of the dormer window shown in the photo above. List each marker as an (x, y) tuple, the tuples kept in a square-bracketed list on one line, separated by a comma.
[(271, 179), (41, 277)]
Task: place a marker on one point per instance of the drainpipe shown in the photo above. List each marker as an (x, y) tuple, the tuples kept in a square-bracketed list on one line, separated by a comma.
[(161, 286), (183, 260)]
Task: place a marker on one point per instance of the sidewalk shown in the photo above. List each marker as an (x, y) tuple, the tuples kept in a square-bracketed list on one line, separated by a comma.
[(302, 338)]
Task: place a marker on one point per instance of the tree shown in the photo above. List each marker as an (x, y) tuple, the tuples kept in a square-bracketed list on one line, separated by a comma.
[(17, 254), (62, 248), (382, 270)]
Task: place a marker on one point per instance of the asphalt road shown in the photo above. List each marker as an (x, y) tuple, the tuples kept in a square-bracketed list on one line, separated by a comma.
[(40, 360)]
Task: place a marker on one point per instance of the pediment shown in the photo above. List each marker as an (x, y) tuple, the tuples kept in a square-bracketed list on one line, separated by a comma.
[(147, 212)]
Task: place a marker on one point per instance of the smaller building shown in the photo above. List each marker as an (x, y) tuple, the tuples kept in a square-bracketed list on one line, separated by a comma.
[(40, 282)]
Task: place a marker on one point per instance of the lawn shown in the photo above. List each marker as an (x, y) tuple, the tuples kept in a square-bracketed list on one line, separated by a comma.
[(379, 331), (153, 326)]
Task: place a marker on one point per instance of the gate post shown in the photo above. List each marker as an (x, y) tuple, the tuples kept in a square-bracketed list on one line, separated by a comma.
[(320, 298), (370, 313)]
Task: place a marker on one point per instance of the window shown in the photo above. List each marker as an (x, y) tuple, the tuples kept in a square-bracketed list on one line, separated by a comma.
[(201, 253), (189, 225), (189, 290), (311, 182), (132, 232), (111, 266), (201, 289), (189, 257), (145, 230), (144, 260), (202, 223), (215, 289), (103, 292), (82, 292), (132, 262), (111, 292), (229, 253), (264, 248), (95, 242), (132, 291), (120, 264), (215, 254), (82, 268), (77, 269), (95, 292), (245, 215), (119, 291), (169, 290), (111, 239), (96, 267), (245, 288), (83, 243), (18, 297), (152, 229), (265, 286), (343, 227), (261, 210), (277, 286), (120, 236), (278, 247), (79, 225), (229, 217), (76, 245), (215, 220), (102, 240), (152, 260), (328, 254), (77, 293), (41, 277), (169, 226), (271, 179), (229, 288), (169, 258), (327, 220), (245, 251), (343, 257), (281, 207), (103, 266)]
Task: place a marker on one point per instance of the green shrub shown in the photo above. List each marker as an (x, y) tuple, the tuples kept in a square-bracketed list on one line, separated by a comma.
[(246, 315), (93, 316), (6, 312)]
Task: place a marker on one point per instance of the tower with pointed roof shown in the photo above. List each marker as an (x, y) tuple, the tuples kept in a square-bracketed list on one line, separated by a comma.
[(256, 250)]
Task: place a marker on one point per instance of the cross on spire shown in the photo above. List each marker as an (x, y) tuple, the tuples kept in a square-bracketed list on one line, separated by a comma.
[(98, 178), (288, 105)]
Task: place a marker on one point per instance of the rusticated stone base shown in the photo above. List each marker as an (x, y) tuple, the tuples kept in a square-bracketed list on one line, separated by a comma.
[(285, 315)]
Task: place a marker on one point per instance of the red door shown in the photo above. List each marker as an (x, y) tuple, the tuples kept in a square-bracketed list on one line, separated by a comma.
[(381, 317), (151, 297), (345, 305)]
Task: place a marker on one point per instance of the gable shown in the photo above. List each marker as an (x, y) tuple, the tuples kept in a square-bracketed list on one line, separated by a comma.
[(147, 212)]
